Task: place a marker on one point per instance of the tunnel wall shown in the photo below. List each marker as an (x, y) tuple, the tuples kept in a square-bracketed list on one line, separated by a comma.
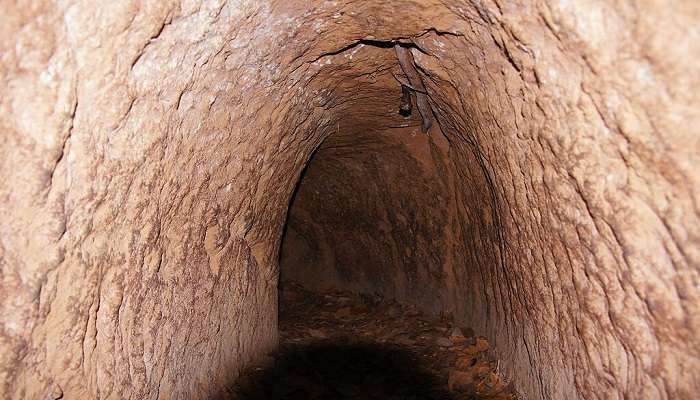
[(139, 221), (595, 264), (151, 149)]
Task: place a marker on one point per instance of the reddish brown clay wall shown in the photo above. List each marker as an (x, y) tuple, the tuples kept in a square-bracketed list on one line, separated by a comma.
[(150, 150)]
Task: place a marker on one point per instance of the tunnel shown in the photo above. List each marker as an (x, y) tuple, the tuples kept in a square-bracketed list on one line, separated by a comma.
[(527, 169)]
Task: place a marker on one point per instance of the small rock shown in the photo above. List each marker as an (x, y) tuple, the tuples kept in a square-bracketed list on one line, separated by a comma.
[(481, 344), (343, 312), (465, 362), (481, 368), (456, 332), (443, 342), (317, 334), (457, 337), (459, 380), (404, 341)]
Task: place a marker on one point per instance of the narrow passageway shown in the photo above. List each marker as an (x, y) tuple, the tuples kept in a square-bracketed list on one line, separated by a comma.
[(340, 345), (525, 168), (369, 287)]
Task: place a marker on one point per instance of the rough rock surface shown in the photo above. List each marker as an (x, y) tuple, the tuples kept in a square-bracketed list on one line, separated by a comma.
[(150, 150)]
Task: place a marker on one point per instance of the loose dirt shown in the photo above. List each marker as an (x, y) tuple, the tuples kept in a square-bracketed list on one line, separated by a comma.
[(343, 346)]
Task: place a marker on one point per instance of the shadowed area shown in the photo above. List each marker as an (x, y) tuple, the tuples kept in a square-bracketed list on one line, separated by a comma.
[(342, 371)]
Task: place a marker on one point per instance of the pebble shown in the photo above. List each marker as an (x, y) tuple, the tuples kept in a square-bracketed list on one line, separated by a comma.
[(456, 332), (443, 342)]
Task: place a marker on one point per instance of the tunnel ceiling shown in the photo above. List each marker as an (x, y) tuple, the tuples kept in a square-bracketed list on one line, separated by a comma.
[(151, 150)]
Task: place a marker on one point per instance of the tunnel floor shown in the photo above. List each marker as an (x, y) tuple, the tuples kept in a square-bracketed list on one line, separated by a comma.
[(338, 345)]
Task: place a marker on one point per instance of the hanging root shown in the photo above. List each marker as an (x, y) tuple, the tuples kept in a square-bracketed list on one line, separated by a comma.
[(403, 54)]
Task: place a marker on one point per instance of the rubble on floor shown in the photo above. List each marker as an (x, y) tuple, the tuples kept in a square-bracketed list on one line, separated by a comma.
[(342, 346)]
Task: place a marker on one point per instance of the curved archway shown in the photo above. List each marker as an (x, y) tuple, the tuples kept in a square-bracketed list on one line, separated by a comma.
[(152, 149)]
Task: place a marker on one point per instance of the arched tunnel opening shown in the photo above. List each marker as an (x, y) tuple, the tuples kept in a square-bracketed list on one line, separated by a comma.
[(375, 199), (370, 251), (182, 179)]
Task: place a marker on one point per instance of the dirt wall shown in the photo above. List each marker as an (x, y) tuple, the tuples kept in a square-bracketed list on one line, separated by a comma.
[(151, 150)]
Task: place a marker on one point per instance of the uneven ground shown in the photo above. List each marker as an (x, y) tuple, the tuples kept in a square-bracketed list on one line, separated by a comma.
[(338, 345)]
